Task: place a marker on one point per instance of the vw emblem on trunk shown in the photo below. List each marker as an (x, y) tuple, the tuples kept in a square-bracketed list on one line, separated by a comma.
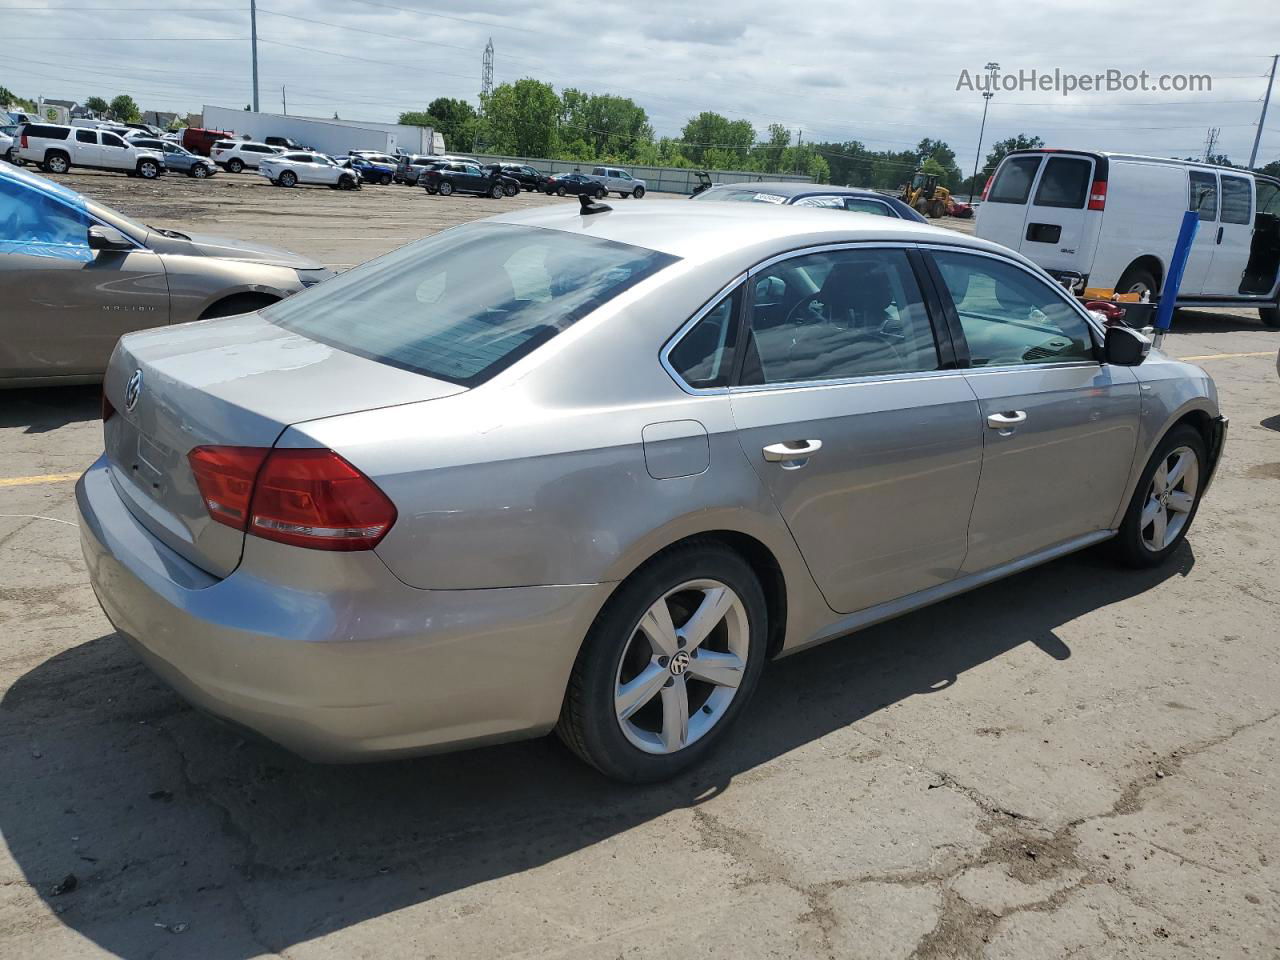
[(133, 390)]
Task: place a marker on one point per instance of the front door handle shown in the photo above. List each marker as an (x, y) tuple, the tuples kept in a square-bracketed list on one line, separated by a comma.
[(1220, 229), (1007, 420), (791, 450)]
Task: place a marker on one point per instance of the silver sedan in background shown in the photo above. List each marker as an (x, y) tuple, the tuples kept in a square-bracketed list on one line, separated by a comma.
[(588, 471)]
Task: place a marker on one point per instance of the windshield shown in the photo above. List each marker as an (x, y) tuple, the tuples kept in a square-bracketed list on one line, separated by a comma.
[(464, 304)]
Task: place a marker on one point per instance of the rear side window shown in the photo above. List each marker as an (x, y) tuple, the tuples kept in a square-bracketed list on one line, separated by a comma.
[(46, 131), (829, 201), (224, 145), (858, 205), (1013, 180), (111, 140), (1064, 183), (86, 136), (1008, 316), (1237, 200), (828, 316), (466, 303), (704, 356), (1204, 194)]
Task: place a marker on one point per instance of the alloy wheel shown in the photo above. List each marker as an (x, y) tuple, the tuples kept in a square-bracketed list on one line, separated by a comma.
[(1170, 499), (682, 666)]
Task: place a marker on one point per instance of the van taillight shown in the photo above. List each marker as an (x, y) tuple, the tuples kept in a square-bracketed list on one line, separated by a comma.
[(1098, 195), (986, 187), (304, 497)]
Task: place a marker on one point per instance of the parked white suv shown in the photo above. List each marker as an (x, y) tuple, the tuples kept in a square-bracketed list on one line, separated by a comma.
[(58, 148), (619, 181), (235, 155), (295, 167)]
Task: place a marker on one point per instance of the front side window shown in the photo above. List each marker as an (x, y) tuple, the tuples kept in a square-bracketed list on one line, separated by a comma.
[(1010, 317), (1204, 194), (466, 303), (834, 315), (704, 356), (1237, 200), (1064, 183), (1268, 197), (1013, 181), (35, 224)]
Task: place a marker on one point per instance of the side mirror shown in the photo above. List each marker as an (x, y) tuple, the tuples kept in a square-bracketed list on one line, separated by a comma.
[(108, 238), (1125, 347)]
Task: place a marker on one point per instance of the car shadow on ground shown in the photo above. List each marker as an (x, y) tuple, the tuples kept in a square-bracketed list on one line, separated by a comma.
[(1204, 320), (43, 409), (171, 822)]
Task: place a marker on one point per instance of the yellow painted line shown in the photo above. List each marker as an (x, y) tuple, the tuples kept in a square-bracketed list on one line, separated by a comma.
[(1230, 356), (31, 481)]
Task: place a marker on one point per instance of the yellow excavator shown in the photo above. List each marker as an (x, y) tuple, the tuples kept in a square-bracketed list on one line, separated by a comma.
[(924, 195)]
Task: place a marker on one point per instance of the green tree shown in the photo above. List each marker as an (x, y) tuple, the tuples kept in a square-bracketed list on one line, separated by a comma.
[(9, 98), (731, 140), (124, 109), (97, 105), (767, 157), (1272, 169), (452, 118), (521, 118), (613, 126)]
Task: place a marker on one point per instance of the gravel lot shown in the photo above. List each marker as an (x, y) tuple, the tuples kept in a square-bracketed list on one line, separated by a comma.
[(1080, 761)]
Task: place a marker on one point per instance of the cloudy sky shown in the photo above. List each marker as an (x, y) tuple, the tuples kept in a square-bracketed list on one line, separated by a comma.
[(834, 71)]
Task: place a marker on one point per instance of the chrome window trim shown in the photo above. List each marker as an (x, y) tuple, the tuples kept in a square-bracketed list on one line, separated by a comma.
[(865, 380), (664, 356)]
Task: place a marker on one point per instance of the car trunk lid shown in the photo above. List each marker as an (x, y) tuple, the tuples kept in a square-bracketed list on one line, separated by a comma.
[(240, 382)]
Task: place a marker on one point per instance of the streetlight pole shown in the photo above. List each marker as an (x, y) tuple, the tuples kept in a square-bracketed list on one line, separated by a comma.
[(987, 94), (253, 41)]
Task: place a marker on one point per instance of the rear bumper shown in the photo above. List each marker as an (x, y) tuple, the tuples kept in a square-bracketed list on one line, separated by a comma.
[(335, 659)]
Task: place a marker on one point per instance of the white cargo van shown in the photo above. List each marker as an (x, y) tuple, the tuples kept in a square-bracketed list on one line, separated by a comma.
[(1110, 220)]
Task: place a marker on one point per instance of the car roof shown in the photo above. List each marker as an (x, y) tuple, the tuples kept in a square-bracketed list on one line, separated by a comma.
[(702, 231)]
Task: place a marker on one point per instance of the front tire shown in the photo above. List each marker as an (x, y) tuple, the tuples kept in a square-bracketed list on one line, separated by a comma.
[(148, 170), (1270, 316), (497, 191), (638, 192), (235, 165), (600, 193), (385, 180), (669, 664), (1165, 500), (198, 172), (559, 191)]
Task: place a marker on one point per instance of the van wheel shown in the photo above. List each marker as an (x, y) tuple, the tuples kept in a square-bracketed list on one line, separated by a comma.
[(1165, 500), (668, 665), (1270, 316), (1137, 280), (57, 163)]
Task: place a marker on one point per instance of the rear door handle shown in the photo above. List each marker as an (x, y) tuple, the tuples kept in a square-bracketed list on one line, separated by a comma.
[(1220, 229), (1006, 420), (791, 450)]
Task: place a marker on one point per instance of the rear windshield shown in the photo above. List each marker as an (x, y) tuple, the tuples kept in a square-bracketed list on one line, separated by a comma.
[(1013, 182), (464, 304), (1064, 183)]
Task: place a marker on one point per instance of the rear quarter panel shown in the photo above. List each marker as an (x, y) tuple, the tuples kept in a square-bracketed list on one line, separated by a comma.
[(1145, 203)]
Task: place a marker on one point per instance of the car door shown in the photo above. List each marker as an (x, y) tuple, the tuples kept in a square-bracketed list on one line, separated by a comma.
[(1055, 232), (75, 302), (87, 151), (1233, 238), (1059, 427), (1002, 215), (849, 408), (115, 153), (1202, 189)]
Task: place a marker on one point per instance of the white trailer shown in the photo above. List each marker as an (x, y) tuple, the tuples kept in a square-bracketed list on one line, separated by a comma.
[(334, 137)]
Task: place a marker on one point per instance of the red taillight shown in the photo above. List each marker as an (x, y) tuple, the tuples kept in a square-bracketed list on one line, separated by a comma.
[(304, 497), (225, 478), (986, 187), (23, 144), (108, 411), (1098, 195)]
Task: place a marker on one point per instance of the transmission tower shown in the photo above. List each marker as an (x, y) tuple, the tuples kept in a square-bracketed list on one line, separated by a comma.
[(1210, 142), (486, 70)]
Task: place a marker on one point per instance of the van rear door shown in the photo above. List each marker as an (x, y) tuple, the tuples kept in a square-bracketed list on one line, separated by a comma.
[(1003, 212), (1056, 233)]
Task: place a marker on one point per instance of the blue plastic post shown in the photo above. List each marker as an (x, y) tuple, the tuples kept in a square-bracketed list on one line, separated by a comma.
[(1178, 266)]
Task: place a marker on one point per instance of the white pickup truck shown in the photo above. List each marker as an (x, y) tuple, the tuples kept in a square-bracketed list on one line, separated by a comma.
[(619, 181)]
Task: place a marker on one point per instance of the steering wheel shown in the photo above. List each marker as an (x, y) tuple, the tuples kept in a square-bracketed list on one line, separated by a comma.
[(805, 302)]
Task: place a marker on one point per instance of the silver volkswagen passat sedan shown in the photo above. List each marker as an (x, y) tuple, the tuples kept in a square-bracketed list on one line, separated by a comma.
[(587, 470)]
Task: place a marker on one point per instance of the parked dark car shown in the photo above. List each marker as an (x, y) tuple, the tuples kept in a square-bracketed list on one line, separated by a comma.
[(286, 143), (198, 140), (510, 184), (458, 177), (177, 159), (370, 171), (409, 167), (528, 178), (577, 183)]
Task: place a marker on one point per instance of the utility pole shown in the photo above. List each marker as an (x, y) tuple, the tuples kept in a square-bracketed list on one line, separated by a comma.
[(987, 94), (284, 100), (253, 42), (1211, 143), (1257, 137)]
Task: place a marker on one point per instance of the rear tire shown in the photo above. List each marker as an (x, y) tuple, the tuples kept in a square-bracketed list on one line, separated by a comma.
[(1270, 316), (1160, 513), (56, 163), (1137, 279), (592, 723), (235, 165), (445, 189)]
